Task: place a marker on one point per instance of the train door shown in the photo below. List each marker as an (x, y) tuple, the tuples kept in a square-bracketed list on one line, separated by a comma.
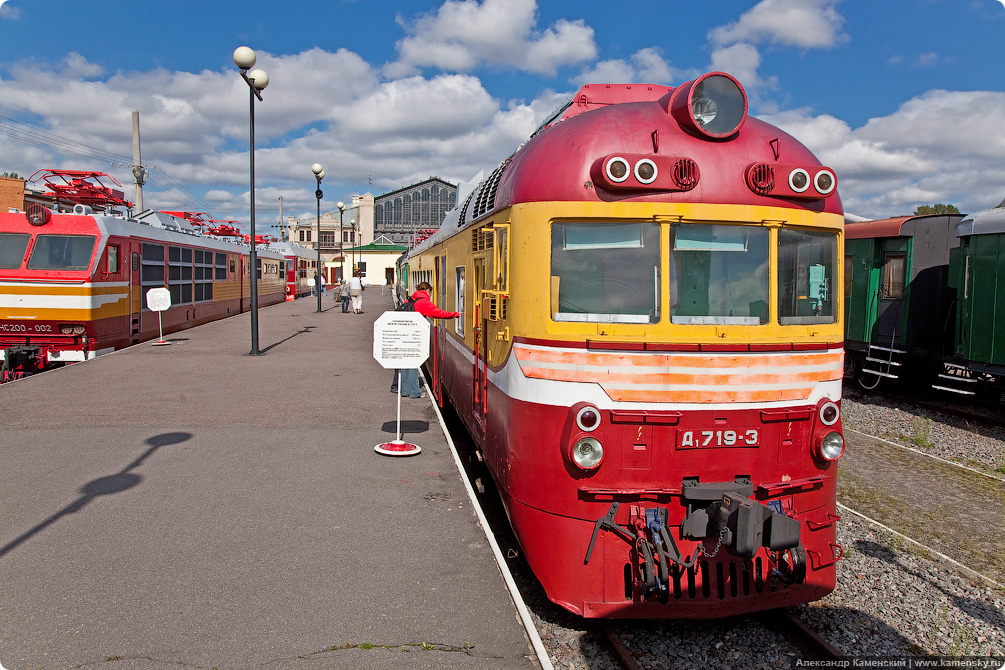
[(440, 282), (135, 295), (480, 382), (892, 287)]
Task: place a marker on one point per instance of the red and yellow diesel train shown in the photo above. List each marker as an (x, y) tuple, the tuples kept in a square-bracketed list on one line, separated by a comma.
[(73, 285), (649, 351)]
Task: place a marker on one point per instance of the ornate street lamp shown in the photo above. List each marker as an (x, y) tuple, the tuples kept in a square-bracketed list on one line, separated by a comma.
[(319, 174), (257, 80)]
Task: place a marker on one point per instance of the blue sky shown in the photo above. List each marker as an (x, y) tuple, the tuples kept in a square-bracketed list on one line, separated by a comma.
[(905, 99)]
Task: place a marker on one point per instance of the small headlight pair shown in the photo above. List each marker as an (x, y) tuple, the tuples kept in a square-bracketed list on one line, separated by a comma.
[(823, 181), (618, 170)]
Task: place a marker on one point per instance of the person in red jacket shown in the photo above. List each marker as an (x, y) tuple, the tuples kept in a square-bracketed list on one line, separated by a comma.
[(425, 307)]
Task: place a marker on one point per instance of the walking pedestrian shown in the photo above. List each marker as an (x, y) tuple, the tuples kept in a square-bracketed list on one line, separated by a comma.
[(356, 289), (343, 295)]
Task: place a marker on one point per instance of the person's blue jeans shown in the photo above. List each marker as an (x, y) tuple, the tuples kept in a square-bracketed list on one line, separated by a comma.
[(345, 304), (409, 382)]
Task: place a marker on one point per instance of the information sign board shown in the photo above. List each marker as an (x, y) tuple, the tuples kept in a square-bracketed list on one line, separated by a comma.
[(158, 299), (401, 339)]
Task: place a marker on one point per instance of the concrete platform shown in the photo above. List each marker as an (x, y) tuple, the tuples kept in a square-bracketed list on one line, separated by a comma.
[(191, 506)]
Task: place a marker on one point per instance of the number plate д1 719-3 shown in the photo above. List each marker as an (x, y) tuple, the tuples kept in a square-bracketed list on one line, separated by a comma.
[(712, 439)]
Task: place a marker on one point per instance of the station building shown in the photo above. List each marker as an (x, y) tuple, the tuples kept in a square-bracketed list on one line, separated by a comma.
[(373, 227)]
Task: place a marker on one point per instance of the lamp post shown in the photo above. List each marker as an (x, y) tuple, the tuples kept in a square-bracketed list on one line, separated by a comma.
[(257, 80), (341, 254), (319, 174), (352, 224)]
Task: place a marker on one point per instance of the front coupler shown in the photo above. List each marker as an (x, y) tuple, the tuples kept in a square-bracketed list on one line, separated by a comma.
[(721, 512)]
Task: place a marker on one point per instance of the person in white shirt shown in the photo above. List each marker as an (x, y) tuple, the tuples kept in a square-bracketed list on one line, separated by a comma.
[(356, 293)]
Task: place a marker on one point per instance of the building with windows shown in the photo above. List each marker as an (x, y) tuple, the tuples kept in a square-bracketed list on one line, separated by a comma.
[(402, 217), (413, 213), (339, 232), (376, 261)]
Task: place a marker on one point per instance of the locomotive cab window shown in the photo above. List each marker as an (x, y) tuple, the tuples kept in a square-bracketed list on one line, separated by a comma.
[(12, 248), (62, 252), (605, 272), (112, 266), (718, 274), (807, 264)]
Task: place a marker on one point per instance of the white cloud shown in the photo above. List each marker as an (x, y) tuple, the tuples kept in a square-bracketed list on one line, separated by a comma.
[(920, 154), (463, 34), (807, 24), (327, 107), (9, 12), (811, 24), (645, 66)]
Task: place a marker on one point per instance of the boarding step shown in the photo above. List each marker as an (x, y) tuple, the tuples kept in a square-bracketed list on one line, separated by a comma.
[(956, 374), (952, 390), (878, 373), (881, 360), (876, 347)]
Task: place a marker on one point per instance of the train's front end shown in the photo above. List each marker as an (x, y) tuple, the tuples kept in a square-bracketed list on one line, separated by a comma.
[(667, 356), (54, 300)]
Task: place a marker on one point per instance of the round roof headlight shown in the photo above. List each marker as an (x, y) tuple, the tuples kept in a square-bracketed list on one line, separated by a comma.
[(799, 180), (713, 105), (645, 171), (587, 453), (588, 418), (829, 414), (617, 169), (831, 446), (824, 181)]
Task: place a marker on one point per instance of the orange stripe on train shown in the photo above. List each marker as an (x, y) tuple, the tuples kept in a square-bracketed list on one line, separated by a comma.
[(702, 378)]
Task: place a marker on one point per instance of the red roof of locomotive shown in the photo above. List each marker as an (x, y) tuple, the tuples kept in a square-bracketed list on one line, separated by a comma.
[(556, 163)]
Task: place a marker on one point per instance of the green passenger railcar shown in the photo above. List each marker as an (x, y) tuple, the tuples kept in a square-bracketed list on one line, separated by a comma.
[(899, 305), (978, 276)]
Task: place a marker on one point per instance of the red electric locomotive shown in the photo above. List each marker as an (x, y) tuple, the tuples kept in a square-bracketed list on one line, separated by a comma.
[(649, 353), (73, 285)]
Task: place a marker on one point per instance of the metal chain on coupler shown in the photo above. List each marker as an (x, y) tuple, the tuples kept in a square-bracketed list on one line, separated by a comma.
[(718, 544)]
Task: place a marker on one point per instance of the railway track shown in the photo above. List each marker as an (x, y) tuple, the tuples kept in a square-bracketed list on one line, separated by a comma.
[(806, 642)]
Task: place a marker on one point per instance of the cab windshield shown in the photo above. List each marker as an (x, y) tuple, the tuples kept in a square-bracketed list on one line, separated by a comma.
[(806, 263), (605, 272), (62, 252), (718, 274), (12, 248)]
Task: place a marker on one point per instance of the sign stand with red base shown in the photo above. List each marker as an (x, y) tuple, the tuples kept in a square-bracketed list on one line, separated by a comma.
[(401, 341), (397, 446), (158, 300)]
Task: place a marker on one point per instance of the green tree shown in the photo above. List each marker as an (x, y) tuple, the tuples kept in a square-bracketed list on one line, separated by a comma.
[(936, 209), (10, 174)]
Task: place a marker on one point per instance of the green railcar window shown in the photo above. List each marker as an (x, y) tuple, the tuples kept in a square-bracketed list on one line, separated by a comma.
[(894, 275)]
